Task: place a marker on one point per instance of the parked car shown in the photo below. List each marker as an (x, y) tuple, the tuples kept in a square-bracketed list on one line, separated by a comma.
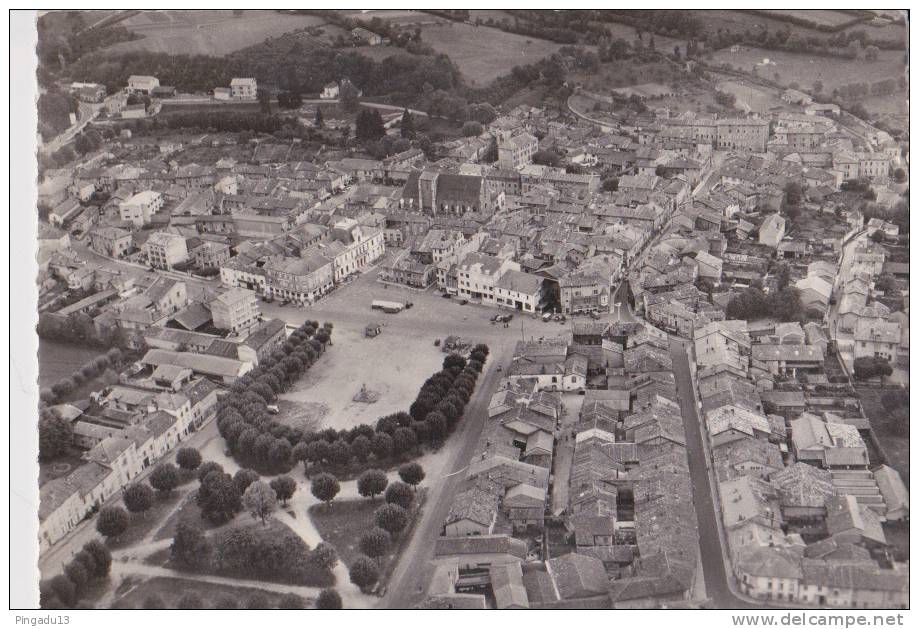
[(436, 342), (446, 295), (464, 302), (594, 314), (273, 409)]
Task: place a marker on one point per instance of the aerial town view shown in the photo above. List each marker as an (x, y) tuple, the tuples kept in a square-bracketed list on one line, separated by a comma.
[(472, 309)]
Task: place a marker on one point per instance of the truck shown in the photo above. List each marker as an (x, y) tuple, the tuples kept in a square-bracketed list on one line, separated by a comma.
[(389, 307)]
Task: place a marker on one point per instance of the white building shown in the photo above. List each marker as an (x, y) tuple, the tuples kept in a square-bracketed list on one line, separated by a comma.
[(243, 89), (164, 250), (235, 310), (140, 83), (140, 207)]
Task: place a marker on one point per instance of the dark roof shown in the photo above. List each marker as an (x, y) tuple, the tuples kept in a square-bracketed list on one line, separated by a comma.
[(464, 189)]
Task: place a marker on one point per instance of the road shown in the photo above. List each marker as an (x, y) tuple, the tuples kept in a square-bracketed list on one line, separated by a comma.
[(710, 544), (88, 112)]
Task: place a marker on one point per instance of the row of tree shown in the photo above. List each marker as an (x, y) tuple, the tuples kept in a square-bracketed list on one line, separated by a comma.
[(193, 600), (243, 420), (753, 303), (91, 564)]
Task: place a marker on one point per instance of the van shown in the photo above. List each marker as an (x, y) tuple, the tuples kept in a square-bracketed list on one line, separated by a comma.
[(273, 409), (547, 317)]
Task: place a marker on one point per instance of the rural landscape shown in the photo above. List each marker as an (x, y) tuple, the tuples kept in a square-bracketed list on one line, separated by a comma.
[(473, 309)]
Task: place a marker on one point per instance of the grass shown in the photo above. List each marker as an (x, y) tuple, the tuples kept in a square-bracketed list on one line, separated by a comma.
[(483, 53), (169, 590), (188, 510), (208, 32), (342, 523)]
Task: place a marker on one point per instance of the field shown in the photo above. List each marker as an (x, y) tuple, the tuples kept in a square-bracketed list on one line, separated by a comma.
[(170, 589), (391, 365), (208, 32), (757, 98), (804, 69), (824, 18), (57, 360), (482, 53)]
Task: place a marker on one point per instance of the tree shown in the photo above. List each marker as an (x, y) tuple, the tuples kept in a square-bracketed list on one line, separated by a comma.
[(284, 488), (340, 452), (899, 175), (112, 521), (164, 478), (871, 53), (189, 545), (374, 542), (319, 120), (818, 86), (65, 590), (868, 367), (471, 128), (219, 497), (348, 96), (411, 473), (291, 601), (391, 518), (364, 572), (325, 487), (101, 555), (190, 600), (611, 184), (400, 494), (207, 468), (55, 435), (407, 124), (264, 101), (260, 500), (77, 575), (886, 283), (328, 599), (382, 445), (323, 557), (371, 483), (877, 235), (244, 478), (369, 126), (188, 458), (361, 448), (138, 498), (404, 441)]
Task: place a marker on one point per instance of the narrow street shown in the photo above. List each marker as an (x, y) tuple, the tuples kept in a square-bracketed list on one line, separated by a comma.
[(712, 553)]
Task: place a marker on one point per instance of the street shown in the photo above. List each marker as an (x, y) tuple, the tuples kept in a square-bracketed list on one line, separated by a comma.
[(712, 553)]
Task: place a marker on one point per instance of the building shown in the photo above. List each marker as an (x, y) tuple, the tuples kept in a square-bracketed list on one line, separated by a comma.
[(235, 310), (478, 275), (164, 250), (142, 84), (368, 37), (519, 290), (329, 91), (243, 89), (517, 150), (877, 339), (301, 280), (772, 231), (113, 242), (139, 208)]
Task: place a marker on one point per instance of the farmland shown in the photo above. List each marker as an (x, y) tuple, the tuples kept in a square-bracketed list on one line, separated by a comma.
[(482, 53), (804, 69), (208, 32), (823, 18)]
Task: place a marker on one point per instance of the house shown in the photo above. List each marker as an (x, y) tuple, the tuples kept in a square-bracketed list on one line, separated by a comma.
[(243, 89), (302, 280), (134, 112), (64, 212), (142, 84), (578, 576), (163, 250), (517, 150), (368, 37), (894, 491), (235, 310), (113, 242), (827, 444), (329, 91), (772, 231), (219, 368), (139, 208), (519, 290), (877, 339), (473, 511), (815, 292)]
